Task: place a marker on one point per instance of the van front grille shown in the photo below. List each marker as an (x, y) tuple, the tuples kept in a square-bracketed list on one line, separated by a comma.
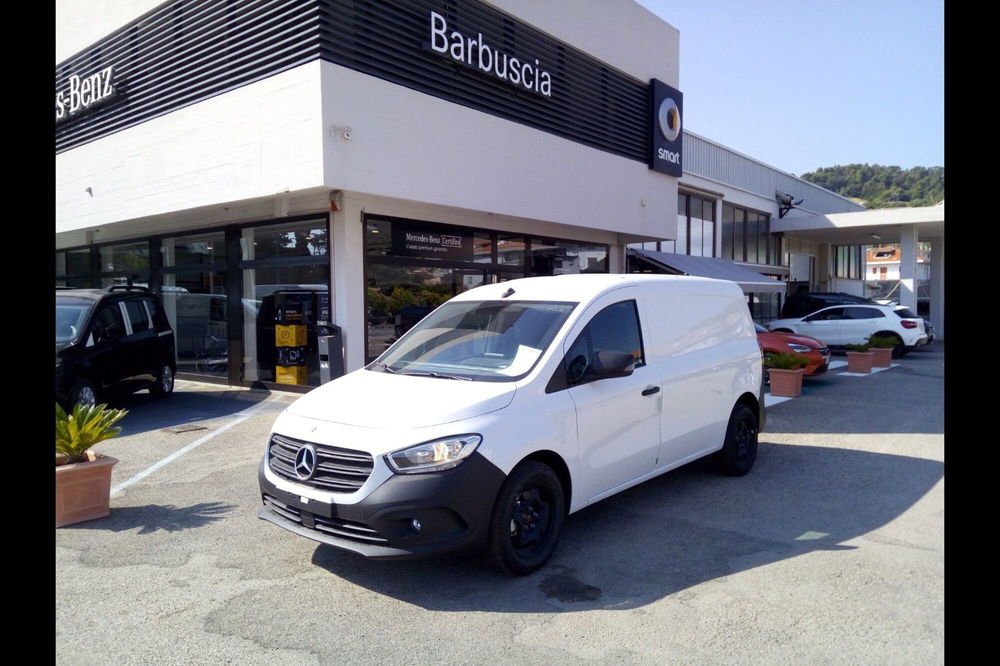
[(338, 470), (343, 529)]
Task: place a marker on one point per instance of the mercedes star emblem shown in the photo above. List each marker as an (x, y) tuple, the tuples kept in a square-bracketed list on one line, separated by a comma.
[(305, 462)]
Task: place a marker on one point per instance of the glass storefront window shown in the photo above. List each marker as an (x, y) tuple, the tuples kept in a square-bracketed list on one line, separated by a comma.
[(511, 250), (195, 303), (307, 238), (553, 257), (400, 296), (194, 250), (73, 262), (131, 259), (284, 296)]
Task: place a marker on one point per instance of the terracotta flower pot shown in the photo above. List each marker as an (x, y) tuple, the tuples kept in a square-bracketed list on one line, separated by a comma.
[(786, 383), (859, 361), (882, 357), (83, 490)]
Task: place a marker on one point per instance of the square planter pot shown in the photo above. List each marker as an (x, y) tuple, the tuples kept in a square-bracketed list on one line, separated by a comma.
[(83, 490), (786, 383), (859, 361), (882, 357)]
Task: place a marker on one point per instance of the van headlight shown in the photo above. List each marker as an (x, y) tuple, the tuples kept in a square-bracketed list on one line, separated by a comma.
[(441, 454)]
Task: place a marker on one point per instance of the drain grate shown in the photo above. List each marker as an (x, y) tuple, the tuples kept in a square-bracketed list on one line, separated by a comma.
[(185, 428)]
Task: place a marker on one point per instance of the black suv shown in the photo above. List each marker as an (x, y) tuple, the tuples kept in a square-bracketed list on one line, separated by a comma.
[(803, 303), (111, 340)]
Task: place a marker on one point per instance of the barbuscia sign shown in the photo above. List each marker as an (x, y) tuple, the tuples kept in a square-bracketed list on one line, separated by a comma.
[(84, 92), (475, 52)]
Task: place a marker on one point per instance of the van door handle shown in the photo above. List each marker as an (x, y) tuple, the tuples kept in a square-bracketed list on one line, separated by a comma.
[(651, 390)]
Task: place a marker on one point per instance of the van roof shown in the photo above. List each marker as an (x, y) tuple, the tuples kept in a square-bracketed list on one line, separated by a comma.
[(586, 286)]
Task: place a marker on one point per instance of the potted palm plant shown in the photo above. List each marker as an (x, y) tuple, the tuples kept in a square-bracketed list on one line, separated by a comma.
[(859, 358), (784, 372), (881, 347), (83, 477)]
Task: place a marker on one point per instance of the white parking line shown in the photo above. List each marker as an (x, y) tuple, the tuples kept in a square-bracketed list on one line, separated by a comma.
[(240, 417)]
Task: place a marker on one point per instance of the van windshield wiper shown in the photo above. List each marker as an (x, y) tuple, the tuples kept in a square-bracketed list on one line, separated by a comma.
[(434, 374), (386, 368)]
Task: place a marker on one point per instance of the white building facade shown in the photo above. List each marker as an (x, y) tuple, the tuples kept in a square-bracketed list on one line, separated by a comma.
[(346, 165)]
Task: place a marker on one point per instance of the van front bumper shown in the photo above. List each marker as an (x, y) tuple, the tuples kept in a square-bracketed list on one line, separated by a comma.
[(452, 507)]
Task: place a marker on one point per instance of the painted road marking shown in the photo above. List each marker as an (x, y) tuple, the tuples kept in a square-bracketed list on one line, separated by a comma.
[(240, 417)]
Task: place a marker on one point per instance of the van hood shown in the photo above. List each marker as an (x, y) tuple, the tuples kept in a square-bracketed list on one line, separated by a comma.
[(372, 399)]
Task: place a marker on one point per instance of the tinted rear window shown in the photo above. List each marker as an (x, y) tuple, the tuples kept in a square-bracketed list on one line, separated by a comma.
[(906, 313)]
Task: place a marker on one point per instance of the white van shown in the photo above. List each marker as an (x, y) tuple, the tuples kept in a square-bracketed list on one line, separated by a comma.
[(513, 405)]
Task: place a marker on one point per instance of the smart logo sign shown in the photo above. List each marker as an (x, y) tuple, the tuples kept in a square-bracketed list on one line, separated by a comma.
[(526, 73), (82, 93), (665, 114)]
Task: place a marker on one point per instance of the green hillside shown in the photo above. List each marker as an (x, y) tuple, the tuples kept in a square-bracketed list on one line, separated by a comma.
[(879, 186)]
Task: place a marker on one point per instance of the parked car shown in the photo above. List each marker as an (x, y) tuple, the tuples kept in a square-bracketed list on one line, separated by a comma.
[(817, 353), (803, 303), (111, 340), (512, 405), (841, 325)]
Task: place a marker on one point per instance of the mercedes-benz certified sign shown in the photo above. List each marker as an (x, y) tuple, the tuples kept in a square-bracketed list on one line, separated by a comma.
[(305, 462)]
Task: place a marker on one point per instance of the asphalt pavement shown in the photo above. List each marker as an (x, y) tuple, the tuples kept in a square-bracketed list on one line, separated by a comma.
[(831, 551)]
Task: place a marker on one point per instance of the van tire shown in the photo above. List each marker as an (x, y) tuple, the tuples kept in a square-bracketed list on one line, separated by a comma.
[(527, 518), (164, 384), (739, 451), (83, 392)]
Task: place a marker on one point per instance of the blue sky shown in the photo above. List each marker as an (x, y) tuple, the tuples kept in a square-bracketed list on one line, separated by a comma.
[(802, 84)]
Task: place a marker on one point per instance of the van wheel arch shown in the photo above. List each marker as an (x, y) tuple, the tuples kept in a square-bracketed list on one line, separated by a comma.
[(559, 466)]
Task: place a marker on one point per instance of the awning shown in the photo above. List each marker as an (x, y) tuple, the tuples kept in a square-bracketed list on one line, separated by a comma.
[(711, 267)]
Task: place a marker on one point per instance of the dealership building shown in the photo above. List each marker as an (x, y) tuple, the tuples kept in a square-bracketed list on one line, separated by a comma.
[(343, 166)]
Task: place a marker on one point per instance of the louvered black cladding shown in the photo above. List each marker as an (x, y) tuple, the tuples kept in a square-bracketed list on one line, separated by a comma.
[(188, 50), (590, 103), (184, 52)]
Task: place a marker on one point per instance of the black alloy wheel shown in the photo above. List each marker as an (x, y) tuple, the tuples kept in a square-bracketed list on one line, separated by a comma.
[(740, 448), (527, 518)]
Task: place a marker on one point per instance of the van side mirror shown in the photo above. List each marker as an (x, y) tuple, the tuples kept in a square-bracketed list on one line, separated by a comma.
[(607, 363)]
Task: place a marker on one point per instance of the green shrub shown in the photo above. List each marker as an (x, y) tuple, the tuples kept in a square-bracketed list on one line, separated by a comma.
[(859, 348), (784, 361), (882, 341), (84, 427)]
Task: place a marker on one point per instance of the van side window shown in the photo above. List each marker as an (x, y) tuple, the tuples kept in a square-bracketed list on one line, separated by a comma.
[(108, 324), (137, 315), (615, 328)]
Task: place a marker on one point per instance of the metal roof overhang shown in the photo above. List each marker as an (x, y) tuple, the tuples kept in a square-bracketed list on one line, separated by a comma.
[(712, 267), (869, 227)]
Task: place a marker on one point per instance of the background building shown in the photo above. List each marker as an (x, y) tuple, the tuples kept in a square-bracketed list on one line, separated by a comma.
[(345, 166)]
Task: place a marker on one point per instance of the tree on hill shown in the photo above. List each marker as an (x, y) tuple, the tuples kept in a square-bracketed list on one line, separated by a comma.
[(879, 186)]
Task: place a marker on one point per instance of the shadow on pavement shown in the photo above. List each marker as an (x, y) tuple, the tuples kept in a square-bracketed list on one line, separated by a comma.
[(155, 517), (146, 412), (684, 528)]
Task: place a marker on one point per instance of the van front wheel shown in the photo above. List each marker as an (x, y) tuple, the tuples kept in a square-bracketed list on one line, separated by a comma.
[(527, 518), (740, 448)]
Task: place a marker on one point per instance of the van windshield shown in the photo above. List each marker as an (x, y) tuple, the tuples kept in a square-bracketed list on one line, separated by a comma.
[(478, 340), (71, 317)]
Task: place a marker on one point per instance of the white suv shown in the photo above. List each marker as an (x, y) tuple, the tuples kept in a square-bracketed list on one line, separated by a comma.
[(841, 325)]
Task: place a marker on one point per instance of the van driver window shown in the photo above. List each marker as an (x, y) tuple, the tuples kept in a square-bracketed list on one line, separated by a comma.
[(615, 328)]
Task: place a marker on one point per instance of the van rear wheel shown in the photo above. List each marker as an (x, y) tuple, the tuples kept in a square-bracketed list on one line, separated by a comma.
[(527, 518), (740, 448)]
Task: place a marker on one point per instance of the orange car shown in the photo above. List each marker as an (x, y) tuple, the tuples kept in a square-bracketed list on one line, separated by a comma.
[(815, 351)]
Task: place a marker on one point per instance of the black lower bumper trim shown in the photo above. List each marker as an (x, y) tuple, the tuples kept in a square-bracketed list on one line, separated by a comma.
[(452, 507)]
